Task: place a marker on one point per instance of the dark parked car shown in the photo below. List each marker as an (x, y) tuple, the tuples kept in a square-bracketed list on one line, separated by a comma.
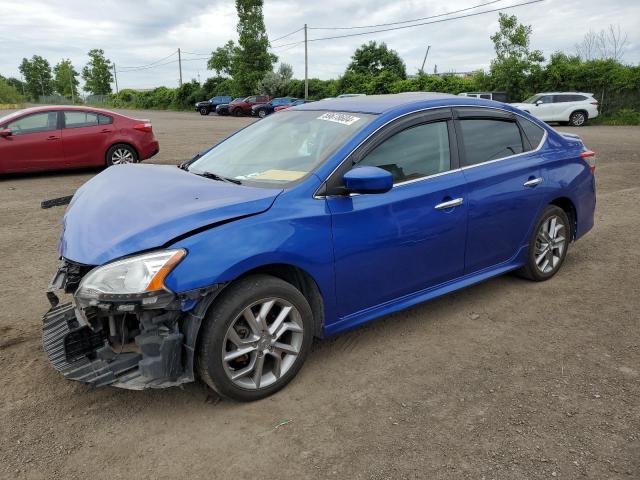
[(223, 108), (306, 224), (243, 107), (264, 109), (57, 137), (208, 106)]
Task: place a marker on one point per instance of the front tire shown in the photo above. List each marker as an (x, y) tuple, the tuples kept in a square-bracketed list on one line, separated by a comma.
[(548, 245), (204, 111), (255, 338), (237, 112), (121, 153), (262, 113), (578, 118)]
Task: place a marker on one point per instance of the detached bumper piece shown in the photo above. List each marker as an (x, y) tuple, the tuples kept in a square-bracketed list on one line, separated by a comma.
[(81, 353)]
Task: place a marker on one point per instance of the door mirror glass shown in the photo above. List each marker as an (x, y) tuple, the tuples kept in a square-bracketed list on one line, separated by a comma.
[(538, 102), (5, 132), (368, 180)]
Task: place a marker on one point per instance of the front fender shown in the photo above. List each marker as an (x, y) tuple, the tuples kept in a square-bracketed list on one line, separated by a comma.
[(299, 236)]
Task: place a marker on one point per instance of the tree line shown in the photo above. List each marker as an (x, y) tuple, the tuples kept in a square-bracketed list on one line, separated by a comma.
[(247, 67)]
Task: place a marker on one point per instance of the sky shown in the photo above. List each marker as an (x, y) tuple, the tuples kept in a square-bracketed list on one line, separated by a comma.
[(140, 33)]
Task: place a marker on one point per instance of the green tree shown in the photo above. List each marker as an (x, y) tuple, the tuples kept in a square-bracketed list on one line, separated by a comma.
[(37, 76), (276, 84), (373, 58), (65, 78), (97, 73), (514, 60), (253, 57), (224, 59)]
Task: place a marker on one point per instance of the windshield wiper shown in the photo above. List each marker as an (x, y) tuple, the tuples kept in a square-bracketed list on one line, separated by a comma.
[(215, 176)]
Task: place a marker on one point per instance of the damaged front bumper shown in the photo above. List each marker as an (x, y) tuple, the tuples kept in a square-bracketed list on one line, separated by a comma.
[(126, 344)]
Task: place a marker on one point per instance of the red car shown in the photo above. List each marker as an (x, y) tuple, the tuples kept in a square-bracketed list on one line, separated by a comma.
[(55, 137), (243, 107)]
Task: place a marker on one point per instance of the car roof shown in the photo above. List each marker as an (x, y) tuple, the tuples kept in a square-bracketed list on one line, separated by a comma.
[(378, 104), (565, 93), (49, 108)]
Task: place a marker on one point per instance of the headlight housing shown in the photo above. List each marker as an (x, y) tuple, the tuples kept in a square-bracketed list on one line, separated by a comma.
[(133, 277)]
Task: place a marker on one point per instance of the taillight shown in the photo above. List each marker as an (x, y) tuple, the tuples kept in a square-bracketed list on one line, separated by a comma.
[(143, 127), (594, 103), (589, 157)]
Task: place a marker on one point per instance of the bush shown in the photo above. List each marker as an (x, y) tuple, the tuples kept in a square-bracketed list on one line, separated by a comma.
[(625, 116), (8, 93)]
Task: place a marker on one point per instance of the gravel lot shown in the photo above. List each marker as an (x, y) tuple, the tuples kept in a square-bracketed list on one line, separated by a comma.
[(504, 380)]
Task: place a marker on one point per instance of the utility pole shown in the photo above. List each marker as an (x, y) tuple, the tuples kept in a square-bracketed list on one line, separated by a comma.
[(71, 82), (180, 66), (115, 77), (306, 65), (425, 58)]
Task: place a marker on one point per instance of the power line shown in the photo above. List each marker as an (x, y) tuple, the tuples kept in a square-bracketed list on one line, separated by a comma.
[(411, 26), (289, 34), (406, 21), (150, 64)]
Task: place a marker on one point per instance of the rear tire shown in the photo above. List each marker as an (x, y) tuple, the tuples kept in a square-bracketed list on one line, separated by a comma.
[(271, 322), (578, 118), (548, 245), (121, 153), (204, 111)]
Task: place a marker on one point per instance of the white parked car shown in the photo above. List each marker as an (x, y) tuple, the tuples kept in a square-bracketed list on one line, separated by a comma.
[(574, 108)]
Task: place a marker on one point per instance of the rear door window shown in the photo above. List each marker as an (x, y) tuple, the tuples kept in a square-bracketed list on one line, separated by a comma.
[(416, 152), (78, 119), (37, 122), (488, 139)]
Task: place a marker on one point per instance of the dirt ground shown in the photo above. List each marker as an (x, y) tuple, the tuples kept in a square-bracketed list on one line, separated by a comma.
[(504, 380)]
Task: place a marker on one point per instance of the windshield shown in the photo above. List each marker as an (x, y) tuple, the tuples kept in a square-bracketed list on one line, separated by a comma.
[(281, 148), (533, 99)]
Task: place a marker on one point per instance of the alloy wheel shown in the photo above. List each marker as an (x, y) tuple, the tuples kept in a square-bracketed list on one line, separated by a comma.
[(578, 119), (262, 113), (122, 155), (550, 244), (262, 343)]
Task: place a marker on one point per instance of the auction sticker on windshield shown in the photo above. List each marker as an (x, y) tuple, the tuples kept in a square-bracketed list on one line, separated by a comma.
[(342, 118)]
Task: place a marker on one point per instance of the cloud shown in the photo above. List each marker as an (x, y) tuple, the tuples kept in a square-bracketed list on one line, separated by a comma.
[(138, 33)]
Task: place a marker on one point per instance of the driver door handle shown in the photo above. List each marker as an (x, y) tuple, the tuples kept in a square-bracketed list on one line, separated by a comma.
[(533, 182), (456, 202)]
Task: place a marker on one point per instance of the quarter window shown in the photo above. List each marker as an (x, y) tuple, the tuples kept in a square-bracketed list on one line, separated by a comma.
[(486, 140), (38, 122), (77, 119), (533, 132), (413, 153), (104, 120)]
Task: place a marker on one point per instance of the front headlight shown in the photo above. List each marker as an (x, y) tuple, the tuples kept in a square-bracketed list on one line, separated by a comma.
[(134, 275)]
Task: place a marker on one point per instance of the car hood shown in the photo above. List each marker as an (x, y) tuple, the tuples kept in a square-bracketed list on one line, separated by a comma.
[(132, 208)]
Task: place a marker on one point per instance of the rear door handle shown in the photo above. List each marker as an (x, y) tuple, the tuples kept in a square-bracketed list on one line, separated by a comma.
[(53, 137), (456, 202), (106, 130), (533, 182)]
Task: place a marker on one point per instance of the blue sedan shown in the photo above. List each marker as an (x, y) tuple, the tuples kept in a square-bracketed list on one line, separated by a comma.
[(303, 225)]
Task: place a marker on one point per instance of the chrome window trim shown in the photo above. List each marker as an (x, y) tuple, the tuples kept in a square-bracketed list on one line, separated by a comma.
[(459, 169)]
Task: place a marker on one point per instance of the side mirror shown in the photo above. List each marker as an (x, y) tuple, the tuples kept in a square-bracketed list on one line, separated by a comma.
[(368, 180), (6, 132), (538, 102)]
